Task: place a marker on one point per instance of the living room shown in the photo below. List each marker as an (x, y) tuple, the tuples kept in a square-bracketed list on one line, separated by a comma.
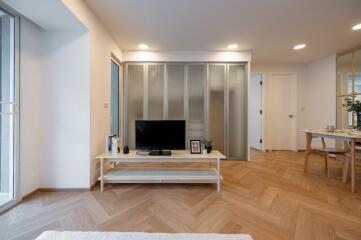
[(190, 119)]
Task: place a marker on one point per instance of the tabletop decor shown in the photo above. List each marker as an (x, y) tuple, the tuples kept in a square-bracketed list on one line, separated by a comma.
[(354, 106), (208, 144)]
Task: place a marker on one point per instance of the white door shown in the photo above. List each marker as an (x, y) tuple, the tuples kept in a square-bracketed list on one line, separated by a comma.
[(256, 111), (282, 111)]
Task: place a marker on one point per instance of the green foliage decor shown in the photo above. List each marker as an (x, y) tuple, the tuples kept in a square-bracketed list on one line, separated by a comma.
[(353, 106), (207, 143)]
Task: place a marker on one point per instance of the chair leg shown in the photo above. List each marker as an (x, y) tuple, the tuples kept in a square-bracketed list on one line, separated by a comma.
[(345, 170), (327, 167)]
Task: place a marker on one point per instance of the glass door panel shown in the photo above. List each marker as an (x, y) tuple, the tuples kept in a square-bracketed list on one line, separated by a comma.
[(357, 67), (135, 100), (237, 112), (114, 103), (216, 105), (176, 83), (7, 109), (344, 88), (196, 83), (155, 91)]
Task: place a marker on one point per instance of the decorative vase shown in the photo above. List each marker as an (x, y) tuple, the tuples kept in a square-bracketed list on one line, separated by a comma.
[(209, 149), (358, 121)]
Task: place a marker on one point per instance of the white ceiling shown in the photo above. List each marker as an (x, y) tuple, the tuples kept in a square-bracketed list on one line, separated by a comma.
[(268, 28), (51, 15)]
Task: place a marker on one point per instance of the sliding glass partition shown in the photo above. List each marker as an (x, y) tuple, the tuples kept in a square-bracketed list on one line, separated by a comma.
[(196, 77), (237, 111), (217, 105), (135, 94), (155, 91), (176, 90), (210, 97), (8, 115)]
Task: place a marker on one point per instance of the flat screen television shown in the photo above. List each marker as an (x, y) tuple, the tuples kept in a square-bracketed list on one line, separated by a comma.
[(160, 134)]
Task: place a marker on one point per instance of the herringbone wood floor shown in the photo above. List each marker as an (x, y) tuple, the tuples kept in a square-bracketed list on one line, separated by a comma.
[(269, 198)]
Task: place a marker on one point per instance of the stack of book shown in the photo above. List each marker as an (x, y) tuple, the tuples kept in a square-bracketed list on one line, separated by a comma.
[(111, 143)]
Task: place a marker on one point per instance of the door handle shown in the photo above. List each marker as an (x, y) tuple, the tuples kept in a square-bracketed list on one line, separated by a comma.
[(291, 116)]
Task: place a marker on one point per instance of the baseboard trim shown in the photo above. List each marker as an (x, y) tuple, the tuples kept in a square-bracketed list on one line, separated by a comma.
[(30, 194), (94, 185), (64, 189)]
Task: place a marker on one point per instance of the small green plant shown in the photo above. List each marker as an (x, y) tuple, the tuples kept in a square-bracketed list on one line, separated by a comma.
[(207, 143), (352, 106)]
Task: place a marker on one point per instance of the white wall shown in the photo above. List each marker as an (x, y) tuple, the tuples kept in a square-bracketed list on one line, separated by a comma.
[(187, 56), (65, 83), (30, 119), (320, 95), (102, 47), (316, 93), (65, 94)]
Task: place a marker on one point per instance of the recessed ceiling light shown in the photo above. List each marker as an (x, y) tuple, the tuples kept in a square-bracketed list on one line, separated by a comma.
[(232, 46), (299, 46), (356, 27), (143, 46)]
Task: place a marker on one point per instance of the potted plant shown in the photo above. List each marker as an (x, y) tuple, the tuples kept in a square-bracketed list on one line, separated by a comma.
[(208, 144), (354, 106)]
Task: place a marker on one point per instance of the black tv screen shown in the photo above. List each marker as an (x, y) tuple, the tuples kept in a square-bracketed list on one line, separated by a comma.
[(160, 134)]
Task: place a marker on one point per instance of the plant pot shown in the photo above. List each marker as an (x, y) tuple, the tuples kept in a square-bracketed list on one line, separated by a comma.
[(209, 149)]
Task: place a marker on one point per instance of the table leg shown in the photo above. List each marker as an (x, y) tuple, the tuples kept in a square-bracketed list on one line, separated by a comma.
[(308, 150), (101, 175), (219, 175), (353, 166)]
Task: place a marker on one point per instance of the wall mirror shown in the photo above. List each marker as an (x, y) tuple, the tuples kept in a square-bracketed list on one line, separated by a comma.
[(348, 85)]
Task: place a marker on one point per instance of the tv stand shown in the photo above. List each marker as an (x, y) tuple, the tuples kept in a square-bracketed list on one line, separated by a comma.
[(166, 174), (160, 153)]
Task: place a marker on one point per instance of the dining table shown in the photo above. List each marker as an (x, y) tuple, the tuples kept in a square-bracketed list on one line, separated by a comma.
[(351, 136)]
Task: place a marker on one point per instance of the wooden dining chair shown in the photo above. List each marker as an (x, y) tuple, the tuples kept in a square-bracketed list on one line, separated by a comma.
[(347, 163), (329, 153)]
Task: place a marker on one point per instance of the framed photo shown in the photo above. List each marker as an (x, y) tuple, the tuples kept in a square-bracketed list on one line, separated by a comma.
[(195, 146)]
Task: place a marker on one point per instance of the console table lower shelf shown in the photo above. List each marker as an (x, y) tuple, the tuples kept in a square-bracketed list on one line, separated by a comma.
[(163, 175)]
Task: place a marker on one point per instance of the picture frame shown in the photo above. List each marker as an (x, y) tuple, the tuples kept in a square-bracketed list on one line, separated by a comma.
[(195, 146)]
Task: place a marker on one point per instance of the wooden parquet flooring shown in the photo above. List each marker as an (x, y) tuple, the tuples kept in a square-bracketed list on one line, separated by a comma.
[(269, 198)]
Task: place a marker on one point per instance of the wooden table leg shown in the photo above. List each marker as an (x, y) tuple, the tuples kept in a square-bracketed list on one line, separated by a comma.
[(308, 150), (353, 166), (219, 175), (101, 175)]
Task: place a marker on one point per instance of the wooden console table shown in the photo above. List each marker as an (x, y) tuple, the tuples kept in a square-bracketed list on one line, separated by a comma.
[(178, 175)]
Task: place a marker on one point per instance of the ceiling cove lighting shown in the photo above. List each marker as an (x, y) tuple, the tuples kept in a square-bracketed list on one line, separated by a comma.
[(299, 46), (356, 27), (232, 46), (143, 46)]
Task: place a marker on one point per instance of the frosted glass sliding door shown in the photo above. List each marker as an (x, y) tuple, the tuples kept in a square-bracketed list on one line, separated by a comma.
[(175, 97), (196, 84), (135, 95), (216, 105), (237, 112), (211, 98), (227, 108), (155, 91)]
